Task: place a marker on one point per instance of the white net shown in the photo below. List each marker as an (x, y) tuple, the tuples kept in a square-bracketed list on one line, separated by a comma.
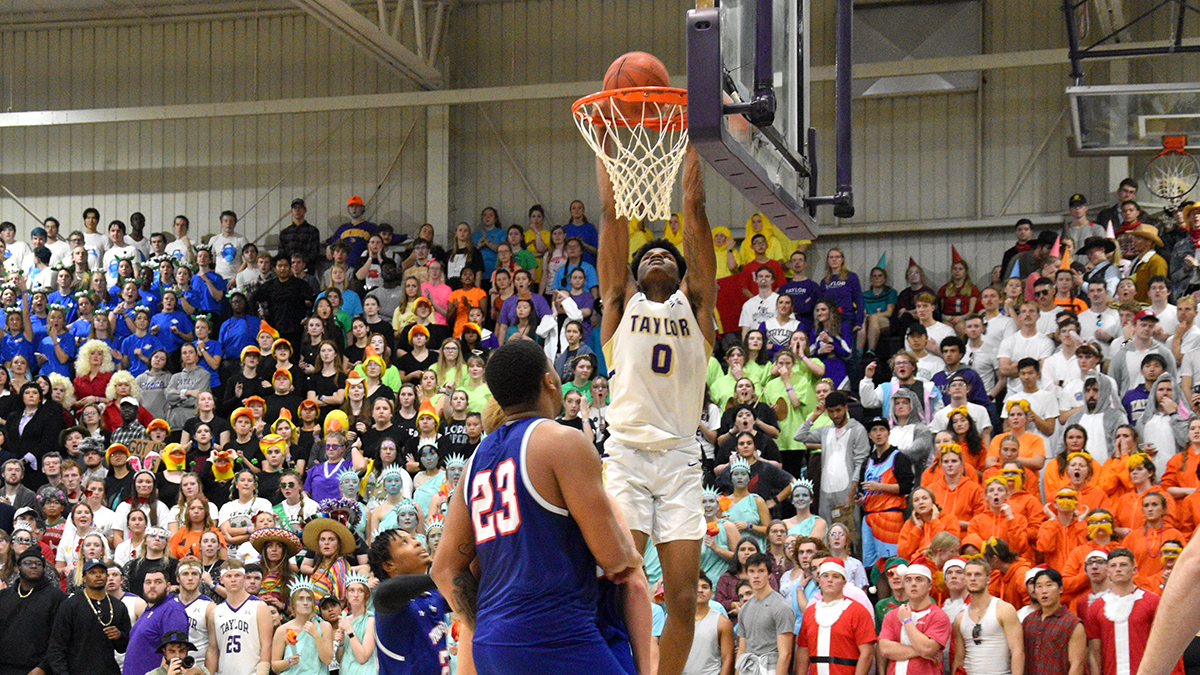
[(640, 135), (1172, 176)]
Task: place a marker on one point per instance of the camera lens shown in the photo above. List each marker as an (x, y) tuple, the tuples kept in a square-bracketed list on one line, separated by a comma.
[(187, 661)]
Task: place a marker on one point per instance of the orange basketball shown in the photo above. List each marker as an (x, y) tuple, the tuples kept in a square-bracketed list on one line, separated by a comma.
[(635, 69)]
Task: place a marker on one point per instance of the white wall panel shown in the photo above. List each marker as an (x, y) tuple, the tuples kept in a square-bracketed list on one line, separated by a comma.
[(915, 157)]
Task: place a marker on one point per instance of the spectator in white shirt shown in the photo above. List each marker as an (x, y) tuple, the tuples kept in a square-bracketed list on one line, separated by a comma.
[(227, 248), (1043, 405), (1186, 337), (119, 249), (921, 345), (17, 254), (1099, 322), (59, 248), (1026, 342), (980, 356), (181, 248), (997, 325), (94, 241), (936, 331), (137, 239), (1043, 293), (1167, 315), (761, 307)]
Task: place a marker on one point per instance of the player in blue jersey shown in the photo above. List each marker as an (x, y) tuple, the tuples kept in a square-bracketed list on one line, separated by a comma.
[(410, 614), (532, 513), (658, 332)]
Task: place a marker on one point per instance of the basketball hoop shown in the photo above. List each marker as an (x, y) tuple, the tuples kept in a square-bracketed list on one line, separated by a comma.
[(1173, 173), (640, 134)]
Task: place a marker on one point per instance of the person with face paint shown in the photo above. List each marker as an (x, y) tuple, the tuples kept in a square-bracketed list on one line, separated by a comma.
[(437, 503), (748, 511), (804, 523), (720, 537), (1100, 538), (397, 486), (304, 645)]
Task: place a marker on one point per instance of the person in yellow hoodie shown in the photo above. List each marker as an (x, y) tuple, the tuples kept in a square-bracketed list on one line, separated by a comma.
[(779, 247), (639, 234), (729, 286)]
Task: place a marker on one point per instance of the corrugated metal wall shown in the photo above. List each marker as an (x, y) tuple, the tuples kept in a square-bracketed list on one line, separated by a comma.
[(199, 167), (916, 157)]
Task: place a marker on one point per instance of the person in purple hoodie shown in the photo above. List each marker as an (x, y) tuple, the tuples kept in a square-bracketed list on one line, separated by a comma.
[(842, 286)]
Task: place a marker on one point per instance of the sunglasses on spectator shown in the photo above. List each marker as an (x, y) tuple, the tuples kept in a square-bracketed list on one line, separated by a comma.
[(22, 540), (977, 633), (1041, 292), (287, 485)]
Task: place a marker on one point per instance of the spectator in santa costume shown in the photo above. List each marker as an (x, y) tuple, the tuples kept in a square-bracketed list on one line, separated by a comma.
[(837, 635)]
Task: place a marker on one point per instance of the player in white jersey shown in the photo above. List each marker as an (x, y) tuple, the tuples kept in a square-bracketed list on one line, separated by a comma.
[(239, 629), (658, 332), (195, 605)]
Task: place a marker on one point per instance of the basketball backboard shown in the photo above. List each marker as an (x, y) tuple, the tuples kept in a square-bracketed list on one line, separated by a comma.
[(1132, 119), (741, 53)]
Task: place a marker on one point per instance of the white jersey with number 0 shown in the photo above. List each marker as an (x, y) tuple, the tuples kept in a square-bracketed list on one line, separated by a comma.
[(659, 359), (237, 637)]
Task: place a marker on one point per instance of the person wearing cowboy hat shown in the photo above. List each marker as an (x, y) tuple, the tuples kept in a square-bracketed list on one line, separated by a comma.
[(1146, 262), (174, 648), (1032, 259), (328, 542), (1096, 252)]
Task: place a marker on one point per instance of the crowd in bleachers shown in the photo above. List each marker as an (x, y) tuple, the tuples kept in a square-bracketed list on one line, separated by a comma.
[(172, 402)]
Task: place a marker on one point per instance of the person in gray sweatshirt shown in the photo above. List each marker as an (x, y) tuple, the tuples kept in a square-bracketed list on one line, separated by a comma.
[(154, 385)]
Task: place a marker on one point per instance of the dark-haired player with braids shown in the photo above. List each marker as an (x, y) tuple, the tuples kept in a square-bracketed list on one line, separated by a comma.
[(658, 332), (410, 628), (532, 514)]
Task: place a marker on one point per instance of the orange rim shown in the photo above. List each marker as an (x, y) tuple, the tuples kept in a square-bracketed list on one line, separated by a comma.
[(664, 96)]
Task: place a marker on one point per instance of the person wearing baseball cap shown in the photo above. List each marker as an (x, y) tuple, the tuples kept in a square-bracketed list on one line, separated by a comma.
[(837, 635), (925, 627), (987, 635), (1078, 226), (90, 627)]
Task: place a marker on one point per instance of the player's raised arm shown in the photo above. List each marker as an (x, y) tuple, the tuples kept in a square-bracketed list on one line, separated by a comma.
[(452, 564), (701, 282), (612, 260)]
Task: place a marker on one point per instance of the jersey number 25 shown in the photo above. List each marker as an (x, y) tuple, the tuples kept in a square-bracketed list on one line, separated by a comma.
[(494, 508)]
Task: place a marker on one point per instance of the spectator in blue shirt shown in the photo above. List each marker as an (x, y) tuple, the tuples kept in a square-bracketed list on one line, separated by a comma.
[(489, 239), (56, 351), (585, 231)]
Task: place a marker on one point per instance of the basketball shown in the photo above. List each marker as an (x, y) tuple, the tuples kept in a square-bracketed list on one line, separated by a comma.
[(635, 69)]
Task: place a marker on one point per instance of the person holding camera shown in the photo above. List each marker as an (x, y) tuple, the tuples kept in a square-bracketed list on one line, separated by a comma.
[(175, 649)]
